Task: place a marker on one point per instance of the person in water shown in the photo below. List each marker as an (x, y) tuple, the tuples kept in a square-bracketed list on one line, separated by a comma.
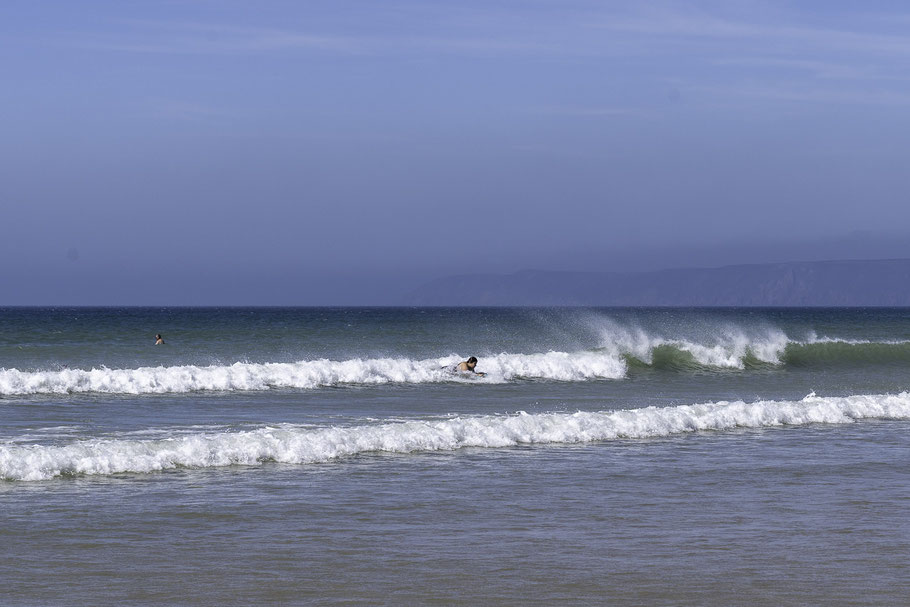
[(469, 365), (158, 340)]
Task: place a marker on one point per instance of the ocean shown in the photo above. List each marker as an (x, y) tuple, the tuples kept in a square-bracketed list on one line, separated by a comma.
[(332, 456)]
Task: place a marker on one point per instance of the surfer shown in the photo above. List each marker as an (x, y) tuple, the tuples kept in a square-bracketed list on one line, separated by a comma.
[(468, 365), (158, 340)]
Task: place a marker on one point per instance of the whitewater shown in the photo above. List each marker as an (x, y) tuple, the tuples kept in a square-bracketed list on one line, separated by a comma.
[(609, 362), (304, 445), (307, 374)]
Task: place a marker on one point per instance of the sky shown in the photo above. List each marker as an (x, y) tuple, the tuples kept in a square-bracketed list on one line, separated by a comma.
[(218, 152)]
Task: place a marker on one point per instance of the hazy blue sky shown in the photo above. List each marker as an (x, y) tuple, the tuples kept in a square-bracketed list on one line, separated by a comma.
[(337, 152)]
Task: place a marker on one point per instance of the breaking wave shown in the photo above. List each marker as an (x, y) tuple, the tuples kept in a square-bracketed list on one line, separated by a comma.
[(307, 445), (309, 374), (624, 353)]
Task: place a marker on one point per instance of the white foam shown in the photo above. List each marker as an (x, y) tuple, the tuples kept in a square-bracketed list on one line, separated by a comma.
[(307, 374), (719, 347), (306, 445), (813, 339), (722, 347)]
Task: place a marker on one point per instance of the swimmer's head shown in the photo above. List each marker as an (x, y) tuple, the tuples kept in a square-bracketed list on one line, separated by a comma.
[(472, 362)]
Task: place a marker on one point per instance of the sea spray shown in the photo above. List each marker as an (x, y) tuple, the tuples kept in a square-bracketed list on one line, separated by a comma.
[(725, 346)]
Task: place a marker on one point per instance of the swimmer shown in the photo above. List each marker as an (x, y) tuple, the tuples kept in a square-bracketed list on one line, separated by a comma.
[(158, 340), (469, 365)]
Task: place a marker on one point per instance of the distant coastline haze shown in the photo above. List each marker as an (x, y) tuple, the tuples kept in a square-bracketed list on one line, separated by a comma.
[(869, 283)]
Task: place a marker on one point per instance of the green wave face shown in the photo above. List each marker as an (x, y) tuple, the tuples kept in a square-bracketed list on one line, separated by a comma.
[(840, 353), (679, 358)]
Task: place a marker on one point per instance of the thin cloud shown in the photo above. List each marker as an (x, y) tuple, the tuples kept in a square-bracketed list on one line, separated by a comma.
[(789, 93), (817, 69), (199, 38), (458, 32), (701, 26), (591, 112)]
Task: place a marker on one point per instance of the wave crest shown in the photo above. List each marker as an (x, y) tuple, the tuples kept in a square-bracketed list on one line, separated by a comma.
[(307, 374), (625, 349), (306, 445)]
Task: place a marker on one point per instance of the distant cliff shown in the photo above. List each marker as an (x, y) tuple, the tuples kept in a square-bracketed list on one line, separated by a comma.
[(823, 283)]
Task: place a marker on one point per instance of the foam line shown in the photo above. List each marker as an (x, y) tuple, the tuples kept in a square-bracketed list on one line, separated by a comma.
[(306, 445), (306, 374), (621, 347)]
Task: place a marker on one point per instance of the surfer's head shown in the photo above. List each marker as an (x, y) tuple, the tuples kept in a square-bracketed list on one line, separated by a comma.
[(472, 362)]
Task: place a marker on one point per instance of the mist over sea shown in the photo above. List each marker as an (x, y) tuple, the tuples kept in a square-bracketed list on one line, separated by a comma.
[(620, 456)]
